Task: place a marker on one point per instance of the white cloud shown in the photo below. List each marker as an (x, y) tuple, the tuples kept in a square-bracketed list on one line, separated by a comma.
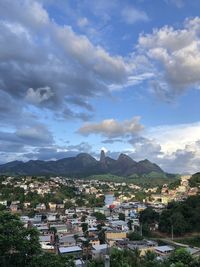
[(174, 137), (39, 95), (82, 22), (33, 15), (131, 15), (185, 160), (133, 80), (144, 148), (175, 57), (175, 148), (112, 128)]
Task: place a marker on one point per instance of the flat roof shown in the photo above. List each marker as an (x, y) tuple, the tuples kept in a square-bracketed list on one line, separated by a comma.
[(164, 249), (92, 229), (118, 222), (100, 247), (70, 249), (67, 238), (44, 238)]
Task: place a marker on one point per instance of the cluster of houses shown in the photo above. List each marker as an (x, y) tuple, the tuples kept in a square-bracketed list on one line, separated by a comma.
[(78, 230), (44, 186), (179, 193), (96, 187), (65, 234)]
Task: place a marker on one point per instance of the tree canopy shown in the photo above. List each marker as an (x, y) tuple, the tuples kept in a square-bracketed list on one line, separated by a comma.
[(182, 216), (19, 246)]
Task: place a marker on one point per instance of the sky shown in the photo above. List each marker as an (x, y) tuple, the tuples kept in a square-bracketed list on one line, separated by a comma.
[(85, 75)]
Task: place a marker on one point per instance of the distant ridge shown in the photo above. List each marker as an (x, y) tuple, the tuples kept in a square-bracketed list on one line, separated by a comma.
[(82, 165)]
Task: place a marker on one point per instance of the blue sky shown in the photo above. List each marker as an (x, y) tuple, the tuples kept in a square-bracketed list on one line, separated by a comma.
[(82, 75)]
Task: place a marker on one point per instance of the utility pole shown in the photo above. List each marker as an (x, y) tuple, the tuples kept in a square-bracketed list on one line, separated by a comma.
[(107, 261), (107, 256), (172, 230), (141, 229)]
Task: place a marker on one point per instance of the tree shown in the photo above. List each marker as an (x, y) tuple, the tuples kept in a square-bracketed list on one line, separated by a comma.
[(133, 258), (68, 205), (51, 260), (178, 223), (95, 201), (165, 222), (180, 256), (87, 248), (121, 216), (183, 216), (139, 196), (124, 258), (80, 202), (134, 236), (195, 180), (129, 223), (96, 263), (53, 230), (149, 216), (99, 227), (149, 260), (84, 227), (2, 207), (101, 236), (99, 216), (195, 262), (83, 218), (31, 213), (17, 244), (20, 246), (116, 194)]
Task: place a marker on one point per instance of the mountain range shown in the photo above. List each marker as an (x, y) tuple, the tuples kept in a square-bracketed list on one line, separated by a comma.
[(82, 165)]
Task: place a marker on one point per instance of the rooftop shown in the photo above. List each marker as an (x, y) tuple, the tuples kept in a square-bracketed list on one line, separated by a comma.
[(70, 249), (100, 247), (164, 249)]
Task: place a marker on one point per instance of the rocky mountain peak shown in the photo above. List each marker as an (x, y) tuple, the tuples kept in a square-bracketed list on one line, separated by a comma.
[(124, 157), (102, 157)]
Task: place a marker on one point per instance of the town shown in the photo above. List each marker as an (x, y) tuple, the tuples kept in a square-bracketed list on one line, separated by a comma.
[(86, 219), (99, 133)]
